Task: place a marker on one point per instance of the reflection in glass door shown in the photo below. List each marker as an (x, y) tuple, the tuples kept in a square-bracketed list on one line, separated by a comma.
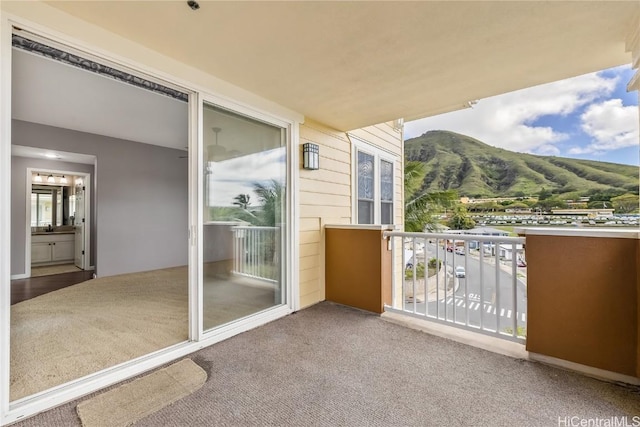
[(244, 216)]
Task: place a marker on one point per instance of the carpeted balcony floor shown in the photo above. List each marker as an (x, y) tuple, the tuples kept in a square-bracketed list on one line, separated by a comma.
[(330, 365)]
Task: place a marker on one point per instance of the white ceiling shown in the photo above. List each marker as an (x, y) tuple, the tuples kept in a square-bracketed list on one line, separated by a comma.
[(62, 156), (353, 64), (55, 94)]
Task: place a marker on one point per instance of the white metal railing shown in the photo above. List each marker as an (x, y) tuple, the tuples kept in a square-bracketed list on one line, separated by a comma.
[(469, 281), (256, 252)]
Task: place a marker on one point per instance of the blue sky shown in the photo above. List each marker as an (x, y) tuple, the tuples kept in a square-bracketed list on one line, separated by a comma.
[(587, 117)]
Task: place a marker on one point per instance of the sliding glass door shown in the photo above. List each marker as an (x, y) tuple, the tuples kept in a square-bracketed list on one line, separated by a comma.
[(244, 217)]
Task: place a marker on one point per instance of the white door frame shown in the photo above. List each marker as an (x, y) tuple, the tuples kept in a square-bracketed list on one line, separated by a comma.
[(87, 209), (16, 410), (290, 275)]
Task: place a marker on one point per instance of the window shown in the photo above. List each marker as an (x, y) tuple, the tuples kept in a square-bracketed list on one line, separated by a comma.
[(386, 192), (366, 191), (374, 185)]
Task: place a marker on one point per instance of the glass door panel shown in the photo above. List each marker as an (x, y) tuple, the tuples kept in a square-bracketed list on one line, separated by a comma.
[(245, 163)]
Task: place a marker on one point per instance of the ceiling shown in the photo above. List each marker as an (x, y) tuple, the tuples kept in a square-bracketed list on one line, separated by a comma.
[(52, 93), (41, 153), (353, 64)]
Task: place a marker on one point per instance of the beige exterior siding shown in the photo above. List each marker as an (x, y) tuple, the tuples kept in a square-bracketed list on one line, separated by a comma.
[(326, 195)]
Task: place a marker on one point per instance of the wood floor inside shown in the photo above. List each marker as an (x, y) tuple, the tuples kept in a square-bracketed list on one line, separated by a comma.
[(24, 289)]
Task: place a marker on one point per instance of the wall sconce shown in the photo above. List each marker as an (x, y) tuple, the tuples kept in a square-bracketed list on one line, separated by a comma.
[(310, 156), (51, 179)]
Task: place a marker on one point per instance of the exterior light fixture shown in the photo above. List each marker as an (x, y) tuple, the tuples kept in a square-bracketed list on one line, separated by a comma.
[(310, 156), (37, 178), (51, 179)]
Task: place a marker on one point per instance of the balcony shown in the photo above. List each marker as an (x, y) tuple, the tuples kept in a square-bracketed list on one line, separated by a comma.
[(575, 305), (335, 365), (332, 365)]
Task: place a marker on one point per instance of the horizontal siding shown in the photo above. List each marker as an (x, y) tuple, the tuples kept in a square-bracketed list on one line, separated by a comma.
[(311, 211), (310, 249), (322, 187), (382, 136), (320, 199), (325, 195)]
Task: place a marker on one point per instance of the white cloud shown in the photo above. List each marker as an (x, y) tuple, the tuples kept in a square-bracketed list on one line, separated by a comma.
[(548, 150), (237, 176), (611, 125), (506, 121)]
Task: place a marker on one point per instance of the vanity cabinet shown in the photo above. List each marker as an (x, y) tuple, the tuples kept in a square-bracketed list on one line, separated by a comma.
[(52, 248)]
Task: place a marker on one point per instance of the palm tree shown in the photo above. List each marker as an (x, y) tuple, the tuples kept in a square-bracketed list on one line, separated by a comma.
[(242, 201), (420, 208), (417, 207), (270, 196)]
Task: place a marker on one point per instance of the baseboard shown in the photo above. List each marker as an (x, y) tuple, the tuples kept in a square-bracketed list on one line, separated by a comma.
[(20, 276), (507, 348), (485, 342), (589, 371)]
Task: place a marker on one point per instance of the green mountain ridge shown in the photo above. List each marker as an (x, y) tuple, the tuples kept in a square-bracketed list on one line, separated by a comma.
[(473, 168)]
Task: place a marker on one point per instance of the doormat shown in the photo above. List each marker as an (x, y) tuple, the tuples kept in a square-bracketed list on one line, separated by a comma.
[(128, 403)]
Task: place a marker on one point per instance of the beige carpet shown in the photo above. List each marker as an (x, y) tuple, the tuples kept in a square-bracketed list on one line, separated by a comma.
[(81, 329), (130, 402), (53, 269)]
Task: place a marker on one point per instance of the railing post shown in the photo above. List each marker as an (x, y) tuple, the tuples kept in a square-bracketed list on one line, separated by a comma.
[(514, 286)]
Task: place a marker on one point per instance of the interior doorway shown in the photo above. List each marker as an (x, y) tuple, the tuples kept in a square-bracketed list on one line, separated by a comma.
[(126, 219), (58, 222)]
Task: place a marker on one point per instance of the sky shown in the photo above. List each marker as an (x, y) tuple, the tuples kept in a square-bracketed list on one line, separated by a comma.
[(586, 117), (238, 175)]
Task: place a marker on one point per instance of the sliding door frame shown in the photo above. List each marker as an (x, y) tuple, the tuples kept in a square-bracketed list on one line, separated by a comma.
[(291, 228), (5, 214), (13, 411)]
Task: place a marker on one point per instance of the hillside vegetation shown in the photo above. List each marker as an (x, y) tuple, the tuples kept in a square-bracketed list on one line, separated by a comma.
[(473, 168)]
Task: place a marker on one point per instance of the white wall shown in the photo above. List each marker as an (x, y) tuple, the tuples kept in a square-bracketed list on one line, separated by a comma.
[(19, 167), (141, 197)]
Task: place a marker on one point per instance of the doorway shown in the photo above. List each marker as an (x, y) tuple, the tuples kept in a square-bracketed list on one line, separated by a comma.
[(106, 185), (58, 222), (150, 190)]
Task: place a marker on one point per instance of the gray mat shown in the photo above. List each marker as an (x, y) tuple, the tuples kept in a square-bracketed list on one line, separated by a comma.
[(128, 403)]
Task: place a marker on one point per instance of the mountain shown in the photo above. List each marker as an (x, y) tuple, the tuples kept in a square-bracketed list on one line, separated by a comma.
[(473, 168)]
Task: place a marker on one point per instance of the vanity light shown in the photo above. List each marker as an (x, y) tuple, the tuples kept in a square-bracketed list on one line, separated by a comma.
[(51, 179), (37, 178), (310, 156), (63, 180)]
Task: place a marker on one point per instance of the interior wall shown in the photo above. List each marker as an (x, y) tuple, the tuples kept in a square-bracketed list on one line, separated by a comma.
[(141, 195), (19, 167)]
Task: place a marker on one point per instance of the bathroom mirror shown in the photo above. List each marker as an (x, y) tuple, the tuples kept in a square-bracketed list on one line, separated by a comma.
[(50, 205)]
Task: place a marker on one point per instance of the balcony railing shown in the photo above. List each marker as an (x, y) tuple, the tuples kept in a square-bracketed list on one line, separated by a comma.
[(468, 281), (256, 252)]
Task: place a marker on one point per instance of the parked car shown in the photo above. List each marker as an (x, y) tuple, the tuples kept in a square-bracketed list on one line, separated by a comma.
[(459, 251), (460, 273), (521, 263)]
